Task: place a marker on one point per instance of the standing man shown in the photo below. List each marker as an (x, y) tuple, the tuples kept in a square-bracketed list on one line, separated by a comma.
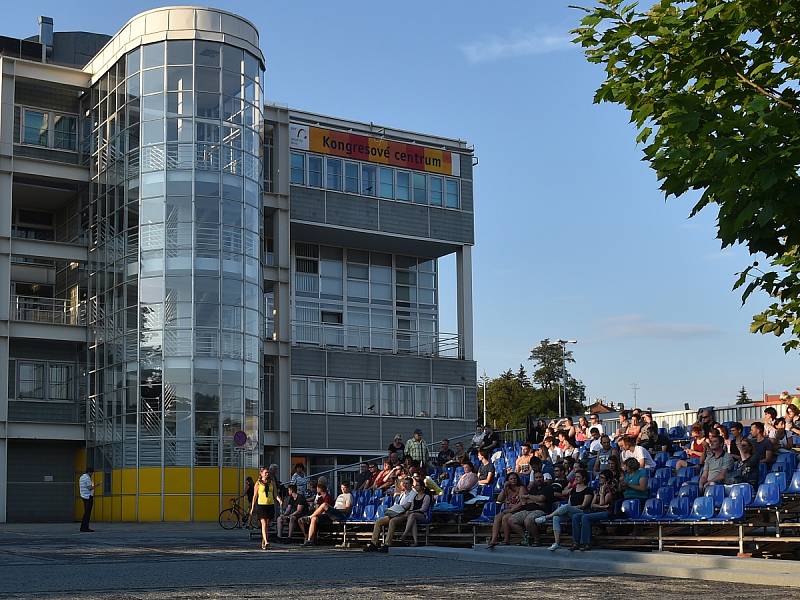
[(417, 449), (445, 454), (86, 486)]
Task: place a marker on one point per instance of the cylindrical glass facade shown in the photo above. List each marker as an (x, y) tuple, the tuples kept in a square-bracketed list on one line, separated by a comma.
[(176, 284)]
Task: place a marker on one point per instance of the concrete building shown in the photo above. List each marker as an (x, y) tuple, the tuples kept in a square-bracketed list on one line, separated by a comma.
[(200, 282)]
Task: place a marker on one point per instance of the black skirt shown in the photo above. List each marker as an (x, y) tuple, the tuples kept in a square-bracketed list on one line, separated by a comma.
[(265, 511)]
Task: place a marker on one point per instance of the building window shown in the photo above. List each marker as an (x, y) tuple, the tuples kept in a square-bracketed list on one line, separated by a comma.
[(315, 171), (299, 394), (371, 398), (439, 402), (368, 187), (335, 389), (61, 382), (351, 177), (30, 383), (389, 399), (422, 400), (436, 191), (387, 182), (316, 395), (333, 174), (34, 128), (65, 132), (406, 404), (453, 200), (298, 175), (455, 402), (403, 186), (420, 188), (352, 399)]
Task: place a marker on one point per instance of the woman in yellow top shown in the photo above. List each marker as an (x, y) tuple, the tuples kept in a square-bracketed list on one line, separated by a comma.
[(264, 503)]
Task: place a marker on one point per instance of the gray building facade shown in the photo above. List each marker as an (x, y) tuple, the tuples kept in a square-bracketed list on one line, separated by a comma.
[(200, 281)]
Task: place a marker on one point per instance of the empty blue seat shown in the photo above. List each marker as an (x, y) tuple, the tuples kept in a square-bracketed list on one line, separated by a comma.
[(663, 472), (677, 433), (687, 472), (455, 505), (717, 492), (740, 490), (484, 490), (368, 513), (768, 494), (790, 458), (702, 508), (674, 483), (688, 491), (794, 484), (654, 485), (678, 509), (762, 472), (665, 494), (732, 509), (653, 510), (778, 479), (781, 467), (661, 458), (631, 509), (487, 515)]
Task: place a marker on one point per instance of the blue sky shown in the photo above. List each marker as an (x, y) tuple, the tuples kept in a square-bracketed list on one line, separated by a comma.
[(573, 237)]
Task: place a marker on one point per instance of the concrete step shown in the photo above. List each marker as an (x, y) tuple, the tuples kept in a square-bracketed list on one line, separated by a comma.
[(661, 564)]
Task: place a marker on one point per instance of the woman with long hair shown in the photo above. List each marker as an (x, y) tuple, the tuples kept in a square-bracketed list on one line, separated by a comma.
[(264, 495), (512, 491)]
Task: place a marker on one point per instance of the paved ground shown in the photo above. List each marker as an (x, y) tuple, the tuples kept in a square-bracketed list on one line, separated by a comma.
[(161, 561)]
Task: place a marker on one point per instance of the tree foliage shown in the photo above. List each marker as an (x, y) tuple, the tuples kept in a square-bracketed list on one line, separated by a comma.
[(742, 397), (712, 87)]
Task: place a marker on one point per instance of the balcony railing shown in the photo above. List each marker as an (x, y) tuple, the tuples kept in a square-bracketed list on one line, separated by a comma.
[(54, 311), (373, 339)]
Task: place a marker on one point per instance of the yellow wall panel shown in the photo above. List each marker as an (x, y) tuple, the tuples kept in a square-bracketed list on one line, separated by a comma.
[(150, 508), (206, 508), (206, 480), (129, 508), (116, 508), (78, 508), (129, 481), (177, 480), (150, 480), (97, 480), (116, 482), (230, 481), (177, 508)]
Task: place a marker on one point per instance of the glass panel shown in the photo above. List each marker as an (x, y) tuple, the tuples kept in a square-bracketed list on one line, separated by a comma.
[(368, 184), (299, 394), (353, 398), (406, 400), (389, 399), (65, 132), (316, 395), (455, 402), (439, 402), (335, 391), (452, 194), (179, 78), (207, 53), (422, 399), (351, 177), (420, 188), (153, 55), (30, 383), (179, 52), (34, 130), (315, 171), (334, 174), (436, 191), (232, 59), (403, 190), (387, 182), (371, 398), (153, 81), (298, 168), (207, 79)]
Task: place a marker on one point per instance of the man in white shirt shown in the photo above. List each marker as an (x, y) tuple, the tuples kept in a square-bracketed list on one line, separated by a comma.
[(629, 449), (595, 446), (594, 421), (86, 486), (401, 508)]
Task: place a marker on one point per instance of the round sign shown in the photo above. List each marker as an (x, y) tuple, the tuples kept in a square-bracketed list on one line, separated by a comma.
[(240, 438)]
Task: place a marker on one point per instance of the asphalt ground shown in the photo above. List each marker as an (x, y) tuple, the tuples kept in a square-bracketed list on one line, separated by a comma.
[(155, 561)]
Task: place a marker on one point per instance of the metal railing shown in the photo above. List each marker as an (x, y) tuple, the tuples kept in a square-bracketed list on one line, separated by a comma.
[(375, 339), (54, 311)]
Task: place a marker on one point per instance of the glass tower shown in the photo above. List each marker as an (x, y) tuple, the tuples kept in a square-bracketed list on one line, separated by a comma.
[(175, 283)]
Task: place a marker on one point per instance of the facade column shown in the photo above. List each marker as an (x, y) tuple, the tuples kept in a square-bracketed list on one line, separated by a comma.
[(6, 186), (464, 301)]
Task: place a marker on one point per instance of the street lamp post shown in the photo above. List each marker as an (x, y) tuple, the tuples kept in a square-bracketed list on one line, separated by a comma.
[(484, 379), (564, 373)]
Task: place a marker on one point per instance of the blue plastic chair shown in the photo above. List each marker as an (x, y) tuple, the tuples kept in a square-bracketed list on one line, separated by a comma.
[(677, 433), (653, 510), (702, 508), (678, 509), (732, 509), (717, 492), (665, 494), (631, 509), (674, 483), (687, 472), (661, 458), (663, 472), (781, 467), (672, 463), (654, 485), (794, 484), (369, 513), (790, 458), (740, 490), (768, 495), (778, 479), (484, 490), (762, 472), (487, 515), (680, 454), (688, 491)]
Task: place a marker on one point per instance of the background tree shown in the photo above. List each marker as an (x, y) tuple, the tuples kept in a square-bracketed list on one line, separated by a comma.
[(712, 86), (742, 397), (549, 364)]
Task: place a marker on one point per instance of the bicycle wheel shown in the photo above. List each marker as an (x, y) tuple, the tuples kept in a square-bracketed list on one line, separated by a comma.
[(228, 519)]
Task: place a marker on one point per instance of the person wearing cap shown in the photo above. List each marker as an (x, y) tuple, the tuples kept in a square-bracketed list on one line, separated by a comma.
[(417, 449)]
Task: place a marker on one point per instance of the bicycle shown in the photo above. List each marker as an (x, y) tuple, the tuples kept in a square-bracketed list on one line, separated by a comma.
[(234, 517)]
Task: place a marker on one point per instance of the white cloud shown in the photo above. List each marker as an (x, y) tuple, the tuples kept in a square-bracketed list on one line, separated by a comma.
[(518, 43), (640, 327)]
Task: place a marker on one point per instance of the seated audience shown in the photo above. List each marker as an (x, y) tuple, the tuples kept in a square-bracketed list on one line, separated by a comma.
[(600, 510), (604, 454), (418, 512), (634, 484), (580, 499), (445, 454), (467, 483), (567, 445), (538, 501), (717, 465), (340, 511), (746, 469), (523, 463), (513, 490), (629, 449), (549, 451), (395, 516), (648, 434), (294, 507), (582, 430), (491, 440), (459, 457), (762, 445), (595, 445), (634, 426), (624, 423), (486, 473), (363, 476)]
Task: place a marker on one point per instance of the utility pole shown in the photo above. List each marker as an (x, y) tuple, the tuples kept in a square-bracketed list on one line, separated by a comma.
[(635, 387), (484, 379)]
